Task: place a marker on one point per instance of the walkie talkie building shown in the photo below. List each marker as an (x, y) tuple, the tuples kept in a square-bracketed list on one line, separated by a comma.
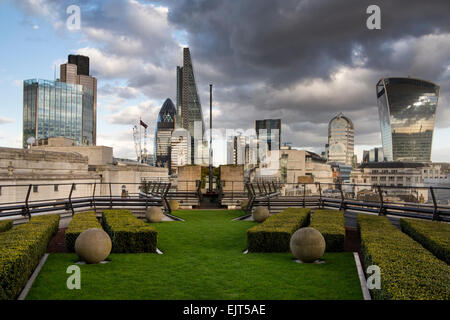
[(407, 111)]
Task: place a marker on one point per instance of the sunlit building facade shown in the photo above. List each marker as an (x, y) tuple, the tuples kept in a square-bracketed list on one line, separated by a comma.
[(407, 111), (341, 140), (180, 146), (76, 71), (57, 109), (164, 128)]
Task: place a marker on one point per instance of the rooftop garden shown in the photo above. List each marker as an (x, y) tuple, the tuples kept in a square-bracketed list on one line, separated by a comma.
[(202, 259)]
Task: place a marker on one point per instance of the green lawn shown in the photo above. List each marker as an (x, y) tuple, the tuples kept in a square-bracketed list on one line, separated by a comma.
[(202, 260)]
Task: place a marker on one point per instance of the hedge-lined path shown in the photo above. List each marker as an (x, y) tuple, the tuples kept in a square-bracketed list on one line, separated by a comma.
[(352, 240), (202, 260), (58, 244)]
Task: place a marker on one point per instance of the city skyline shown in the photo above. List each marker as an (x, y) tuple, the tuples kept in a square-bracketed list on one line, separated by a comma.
[(250, 81)]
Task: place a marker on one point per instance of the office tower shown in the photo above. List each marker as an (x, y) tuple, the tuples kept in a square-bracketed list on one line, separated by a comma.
[(164, 128), (236, 153), (341, 143), (82, 63), (180, 145), (268, 133), (373, 155), (68, 73), (56, 109), (76, 71), (189, 109), (407, 111)]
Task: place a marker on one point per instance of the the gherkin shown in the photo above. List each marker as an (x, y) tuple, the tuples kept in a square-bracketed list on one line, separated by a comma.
[(164, 128)]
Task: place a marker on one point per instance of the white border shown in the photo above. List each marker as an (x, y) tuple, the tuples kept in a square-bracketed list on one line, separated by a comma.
[(362, 278)]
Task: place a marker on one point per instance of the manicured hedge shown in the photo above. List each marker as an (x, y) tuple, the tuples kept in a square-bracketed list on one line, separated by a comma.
[(21, 249), (274, 234), (408, 270), (433, 235), (5, 225), (331, 224), (128, 233), (79, 223)]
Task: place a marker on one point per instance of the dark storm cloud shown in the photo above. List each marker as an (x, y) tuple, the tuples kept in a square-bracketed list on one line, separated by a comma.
[(301, 61), (286, 40), (282, 44)]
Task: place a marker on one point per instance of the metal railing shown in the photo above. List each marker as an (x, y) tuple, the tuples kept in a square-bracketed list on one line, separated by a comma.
[(79, 196), (410, 201)]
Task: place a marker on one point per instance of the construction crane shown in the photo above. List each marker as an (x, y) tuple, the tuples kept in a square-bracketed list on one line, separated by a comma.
[(141, 153)]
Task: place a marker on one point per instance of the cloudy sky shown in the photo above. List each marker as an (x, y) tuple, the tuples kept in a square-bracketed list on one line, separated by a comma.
[(301, 61)]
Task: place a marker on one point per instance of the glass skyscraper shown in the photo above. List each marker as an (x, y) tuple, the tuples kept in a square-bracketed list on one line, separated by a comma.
[(57, 109), (189, 109), (164, 128), (407, 111), (268, 133)]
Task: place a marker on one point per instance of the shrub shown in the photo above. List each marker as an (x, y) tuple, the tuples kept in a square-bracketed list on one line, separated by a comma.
[(128, 233), (331, 224), (408, 270), (21, 249), (80, 222), (433, 235), (5, 225), (274, 234)]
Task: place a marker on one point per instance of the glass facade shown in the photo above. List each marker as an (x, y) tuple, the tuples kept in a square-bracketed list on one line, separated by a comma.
[(164, 128), (268, 132), (407, 111), (189, 109), (341, 140), (57, 109), (188, 100)]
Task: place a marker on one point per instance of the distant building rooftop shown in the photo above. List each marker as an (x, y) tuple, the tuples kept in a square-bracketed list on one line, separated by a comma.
[(391, 164)]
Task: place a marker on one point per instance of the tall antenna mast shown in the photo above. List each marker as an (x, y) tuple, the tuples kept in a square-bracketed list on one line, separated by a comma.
[(210, 138)]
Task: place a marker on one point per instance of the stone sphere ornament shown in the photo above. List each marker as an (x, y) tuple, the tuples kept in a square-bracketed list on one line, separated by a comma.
[(93, 245), (154, 214), (244, 204), (260, 214), (173, 204), (307, 244)]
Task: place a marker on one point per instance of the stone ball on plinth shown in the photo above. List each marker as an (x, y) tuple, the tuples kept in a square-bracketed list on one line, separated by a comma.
[(93, 245), (154, 214), (173, 204), (307, 244), (244, 204), (260, 214)]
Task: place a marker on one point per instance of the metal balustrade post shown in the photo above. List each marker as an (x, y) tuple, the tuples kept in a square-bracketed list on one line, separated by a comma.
[(110, 196), (304, 195), (93, 198), (382, 210), (164, 198), (26, 210), (435, 210), (342, 205), (320, 196), (70, 198)]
